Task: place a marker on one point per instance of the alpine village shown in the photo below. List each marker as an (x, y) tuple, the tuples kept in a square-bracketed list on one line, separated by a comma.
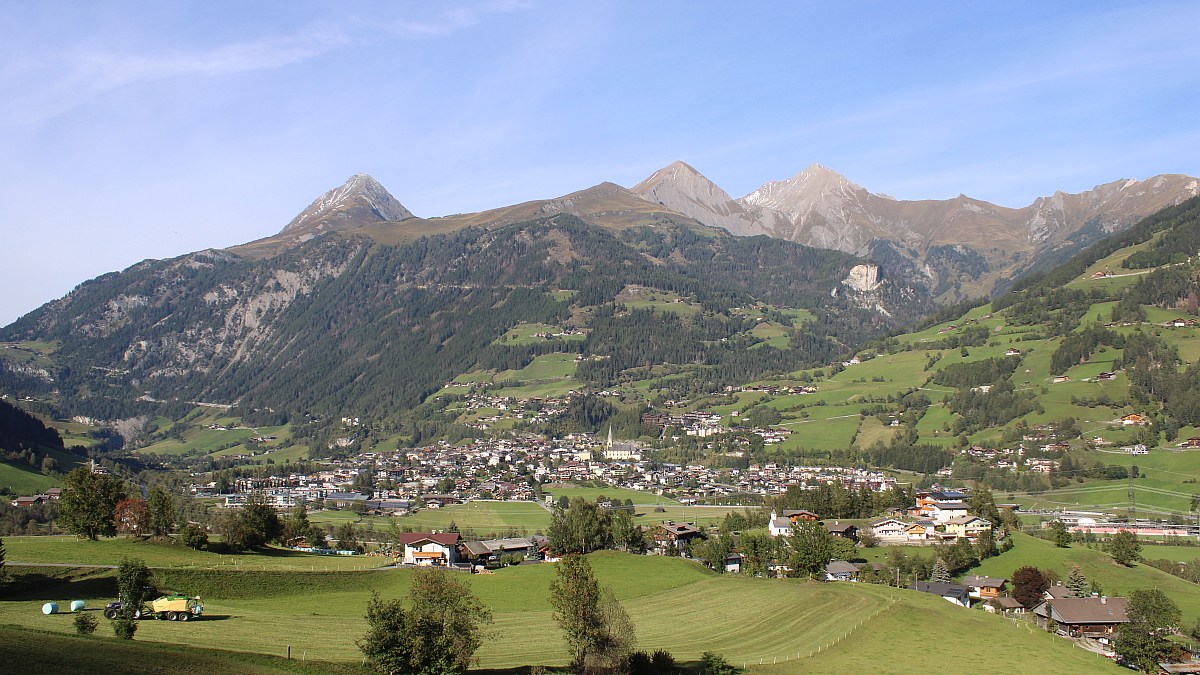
[(626, 430)]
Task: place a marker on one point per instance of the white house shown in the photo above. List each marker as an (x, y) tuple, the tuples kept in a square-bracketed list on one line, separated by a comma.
[(430, 549)]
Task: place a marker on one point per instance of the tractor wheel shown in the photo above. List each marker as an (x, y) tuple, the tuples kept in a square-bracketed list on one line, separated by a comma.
[(110, 614), (184, 616), (172, 616), (137, 614)]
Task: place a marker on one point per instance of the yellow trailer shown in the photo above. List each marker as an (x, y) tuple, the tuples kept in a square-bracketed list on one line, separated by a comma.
[(177, 608)]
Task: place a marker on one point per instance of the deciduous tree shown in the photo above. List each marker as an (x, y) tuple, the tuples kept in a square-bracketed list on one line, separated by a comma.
[(1124, 548), (132, 516), (1029, 583), (437, 634), (87, 503), (596, 627), (1152, 617), (812, 548), (162, 513)]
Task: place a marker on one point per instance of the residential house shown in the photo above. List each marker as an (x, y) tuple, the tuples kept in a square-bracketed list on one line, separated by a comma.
[(953, 593), (1134, 419), (968, 527), (889, 529), (840, 570), (672, 538), (843, 530), (1004, 605), (944, 513), (430, 549), (733, 563), (797, 515), (1097, 617), (985, 588)]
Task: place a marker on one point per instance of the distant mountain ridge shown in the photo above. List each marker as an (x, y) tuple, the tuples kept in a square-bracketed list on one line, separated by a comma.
[(965, 246)]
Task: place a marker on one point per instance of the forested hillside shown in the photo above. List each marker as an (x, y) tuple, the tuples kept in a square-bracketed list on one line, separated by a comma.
[(344, 324)]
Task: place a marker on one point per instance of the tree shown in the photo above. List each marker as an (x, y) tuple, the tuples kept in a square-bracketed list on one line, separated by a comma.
[(1152, 617), (87, 502), (812, 549), (162, 513), (1029, 583), (714, 552), (626, 533), (940, 574), (1124, 548), (133, 589), (251, 526), (1077, 583), (582, 527), (297, 527), (193, 536), (575, 595), (437, 634), (985, 545), (1060, 535), (132, 516)]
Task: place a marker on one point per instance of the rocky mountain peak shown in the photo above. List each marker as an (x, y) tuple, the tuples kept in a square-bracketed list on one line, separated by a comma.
[(360, 200)]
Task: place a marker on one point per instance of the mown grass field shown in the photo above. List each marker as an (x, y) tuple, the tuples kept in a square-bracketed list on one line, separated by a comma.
[(482, 517), (674, 604), (72, 550)]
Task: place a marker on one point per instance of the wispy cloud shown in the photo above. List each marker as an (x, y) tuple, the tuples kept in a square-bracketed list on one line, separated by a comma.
[(448, 21), (44, 86)]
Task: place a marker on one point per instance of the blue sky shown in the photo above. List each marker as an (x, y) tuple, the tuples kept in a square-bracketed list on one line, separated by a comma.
[(133, 130)]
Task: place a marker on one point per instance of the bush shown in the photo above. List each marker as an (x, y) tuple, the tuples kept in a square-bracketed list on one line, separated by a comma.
[(193, 536), (124, 627), (715, 664), (85, 624)]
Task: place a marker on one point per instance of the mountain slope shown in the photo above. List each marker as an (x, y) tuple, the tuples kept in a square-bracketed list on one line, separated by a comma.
[(356, 307), (965, 246)]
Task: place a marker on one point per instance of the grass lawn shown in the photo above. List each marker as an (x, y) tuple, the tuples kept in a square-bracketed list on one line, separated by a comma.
[(674, 604), (67, 549), (482, 517), (591, 493)]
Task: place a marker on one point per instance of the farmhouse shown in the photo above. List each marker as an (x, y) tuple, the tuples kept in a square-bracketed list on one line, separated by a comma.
[(840, 570), (430, 549), (671, 538), (1095, 617)]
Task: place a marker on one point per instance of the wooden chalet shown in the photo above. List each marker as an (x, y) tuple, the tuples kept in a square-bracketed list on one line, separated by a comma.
[(1096, 617)]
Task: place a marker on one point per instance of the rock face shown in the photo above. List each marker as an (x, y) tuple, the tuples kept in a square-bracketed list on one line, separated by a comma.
[(966, 246), (863, 278)]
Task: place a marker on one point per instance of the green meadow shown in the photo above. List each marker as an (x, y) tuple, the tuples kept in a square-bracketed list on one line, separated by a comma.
[(768, 625)]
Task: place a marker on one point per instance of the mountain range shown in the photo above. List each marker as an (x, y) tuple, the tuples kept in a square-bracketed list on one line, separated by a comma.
[(358, 304), (963, 246)]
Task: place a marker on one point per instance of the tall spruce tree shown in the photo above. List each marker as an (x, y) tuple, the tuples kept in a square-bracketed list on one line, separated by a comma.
[(1077, 583)]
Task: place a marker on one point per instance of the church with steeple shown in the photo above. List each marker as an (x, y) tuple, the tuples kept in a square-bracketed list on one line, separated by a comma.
[(621, 452)]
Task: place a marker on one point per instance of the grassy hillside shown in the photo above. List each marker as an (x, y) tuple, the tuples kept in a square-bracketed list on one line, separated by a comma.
[(675, 605), (1097, 565)]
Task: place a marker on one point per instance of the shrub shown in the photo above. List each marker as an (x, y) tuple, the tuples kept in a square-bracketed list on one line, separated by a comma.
[(715, 664), (85, 624), (124, 627), (193, 536)]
